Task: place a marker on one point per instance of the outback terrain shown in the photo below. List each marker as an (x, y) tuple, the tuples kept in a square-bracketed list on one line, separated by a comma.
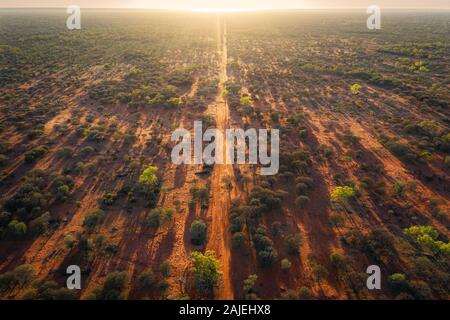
[(86, 177)]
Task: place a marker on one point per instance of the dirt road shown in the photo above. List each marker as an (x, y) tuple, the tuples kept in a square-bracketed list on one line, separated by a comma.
[(221, 196)]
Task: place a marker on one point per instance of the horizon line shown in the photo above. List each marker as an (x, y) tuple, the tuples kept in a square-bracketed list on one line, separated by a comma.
[(227, 10)]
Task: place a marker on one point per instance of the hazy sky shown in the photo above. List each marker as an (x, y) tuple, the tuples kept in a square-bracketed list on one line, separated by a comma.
[(227, 4)]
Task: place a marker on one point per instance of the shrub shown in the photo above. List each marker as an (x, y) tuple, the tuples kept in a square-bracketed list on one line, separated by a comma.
[(249, 283), (420, 290), (35, 153), (427, 236), (198, 232), (113, 286), (305, 293), (267, 256), (146, 281), (17, 229), (93, 220), (158, 216), (200, 195), (3, 160), (402, 151), (301, 188), (399, 189), (266, 199), (305, 180), (289, 295), (29, 197), (336, 220), (285, 264), (85, 152), (149, 180), (343, 193), (206, 271), (292, 244), (337, 259), (264, 246), (355, 88), (398, 281), (69, 241), (165, 268), (301, 201), (238, 240), (49, 290), (65, 152), (109, 198), (40, 225), (320, 272), (152, 219), (19, 277)]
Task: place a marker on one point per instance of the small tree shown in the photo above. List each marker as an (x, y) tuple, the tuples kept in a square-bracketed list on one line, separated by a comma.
[(18, 229), (301, 201), (113, 286), (146, 281), (24, 274), (337, 260), (149, 180), (165, 268), (198, 232), (93, 220), (293, 242), (249, 283), (238, 240), (152, 218), (321, 272), (206, 271)]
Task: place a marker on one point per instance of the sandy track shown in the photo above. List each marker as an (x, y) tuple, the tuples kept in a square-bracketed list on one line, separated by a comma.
[(221, 197)]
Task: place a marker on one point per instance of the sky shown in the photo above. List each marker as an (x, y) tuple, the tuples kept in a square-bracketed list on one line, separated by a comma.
[(228, 5)]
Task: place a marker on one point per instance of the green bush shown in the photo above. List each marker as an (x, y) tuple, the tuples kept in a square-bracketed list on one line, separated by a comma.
[(113, 286), (286, 264), (320, 272), (93, 220), (165, 268), (238, 240), (35, 154), (17, 229), (146, 281), (301, 201), (427, 237), (206, 271), (292, 243), (41, 224), (18, 278), (305, 293), (198, 232), (398, 281), (249, 283), (342, 194)]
